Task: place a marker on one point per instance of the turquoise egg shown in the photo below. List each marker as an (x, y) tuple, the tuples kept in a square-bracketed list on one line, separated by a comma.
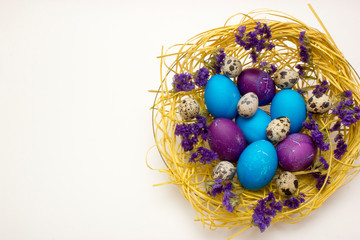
[(221, 97), (289, 103), (254, 128), (257, 165)]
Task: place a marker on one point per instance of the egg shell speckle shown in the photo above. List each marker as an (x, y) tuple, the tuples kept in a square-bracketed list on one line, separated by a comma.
[(231, 67), (257, 165), (189, 108), (221, 97), (287, 184), (286, 78), (320, 103), (289, 103), (296, 152), (224, 170), (278, 129), (248, 105)]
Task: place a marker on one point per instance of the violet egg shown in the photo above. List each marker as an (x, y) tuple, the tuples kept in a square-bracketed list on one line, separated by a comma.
[(226, 139), (259, 82), (296, 152)]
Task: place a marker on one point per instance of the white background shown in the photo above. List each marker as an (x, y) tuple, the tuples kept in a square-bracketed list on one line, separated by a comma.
[(75, 122)]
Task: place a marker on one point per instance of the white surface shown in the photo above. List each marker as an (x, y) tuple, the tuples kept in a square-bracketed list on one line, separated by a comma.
[(75, 123)]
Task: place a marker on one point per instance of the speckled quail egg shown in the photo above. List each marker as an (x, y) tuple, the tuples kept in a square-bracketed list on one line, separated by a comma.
[(189, 108), (224, 170), (231, 67), (278, 129), (287, 184), (286, 78), (247, 105), (319, 103)]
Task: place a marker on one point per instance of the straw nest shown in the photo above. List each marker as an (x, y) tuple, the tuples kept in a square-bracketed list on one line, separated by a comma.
[(329, 64)]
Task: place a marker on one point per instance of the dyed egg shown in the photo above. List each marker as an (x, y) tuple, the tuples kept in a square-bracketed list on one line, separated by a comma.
[(296, 152), (320, 103), (248, 105), (259, 82), (231, 67), (224, 170), (189, 108), (287, 184), (221, 97), (226, 139), (278, 129), (286, 78), (257, 165), (254, 128), (289, 103)]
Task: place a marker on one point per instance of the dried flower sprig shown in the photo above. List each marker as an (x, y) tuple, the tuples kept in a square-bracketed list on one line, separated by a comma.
[(256, 40), (215, 61), (183, 82), (294, 202), (265, 210), (231, 192), (191, 132), (201, 77), (203, 155)]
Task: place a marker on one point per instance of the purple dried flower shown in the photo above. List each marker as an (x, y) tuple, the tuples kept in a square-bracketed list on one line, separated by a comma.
[(263, 64), (299, 90), (217, 188), (219, 61), (265, 209), (273, 68), (256, 40), (294, 202), (227, 196), (253, 56), (201, 77), (336, 127), (321, 89), (341, 149), (324, 162), (320, 180), (191, 132), (304, 54), (315, 133), (203, 155), (301, 38), (301, 70), (182, 82), (346, 111)]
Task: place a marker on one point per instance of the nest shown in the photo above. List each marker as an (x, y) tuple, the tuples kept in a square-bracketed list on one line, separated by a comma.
[(329, 64)]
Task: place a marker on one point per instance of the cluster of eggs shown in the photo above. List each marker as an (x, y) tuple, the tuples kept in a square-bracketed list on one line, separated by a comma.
[(245, 135)]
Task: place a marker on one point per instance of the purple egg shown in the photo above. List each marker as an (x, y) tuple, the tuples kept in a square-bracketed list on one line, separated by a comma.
[(259, 82), (226, 139), (296, 152)]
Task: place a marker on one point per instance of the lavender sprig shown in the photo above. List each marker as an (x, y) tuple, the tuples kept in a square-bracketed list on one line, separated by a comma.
[(183, 82), (318, 136), (256, 41), (294, 202), (201, 77), (191, 132), (215, 61), (203, 155), (265, 210)]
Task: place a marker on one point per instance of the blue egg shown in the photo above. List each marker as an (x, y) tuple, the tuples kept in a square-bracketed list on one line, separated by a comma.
[(289, 103), (254, 128), (257, 165), (221, 97)]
